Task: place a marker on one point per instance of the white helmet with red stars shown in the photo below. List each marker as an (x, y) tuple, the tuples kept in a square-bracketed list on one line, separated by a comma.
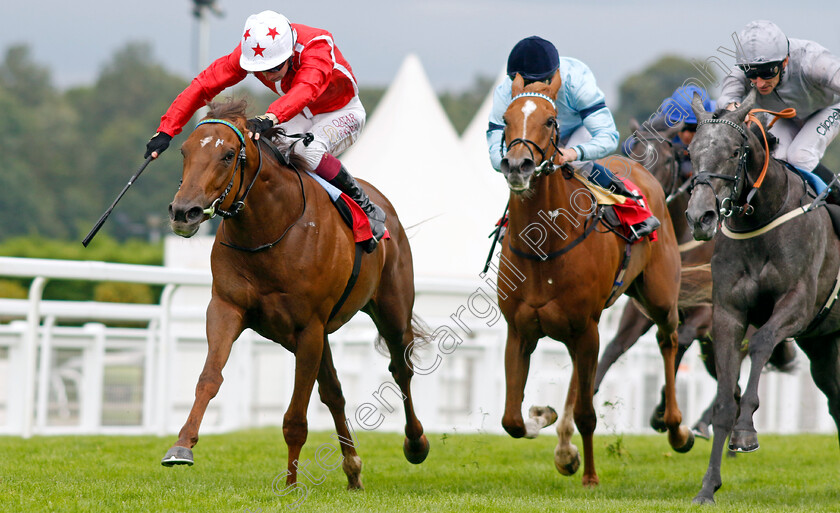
[(267, 41)]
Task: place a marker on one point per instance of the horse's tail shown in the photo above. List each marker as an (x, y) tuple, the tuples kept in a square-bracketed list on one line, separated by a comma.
[(421, 335), (695, 286)]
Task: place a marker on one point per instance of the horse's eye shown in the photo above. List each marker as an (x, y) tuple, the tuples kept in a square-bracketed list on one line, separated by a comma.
[(736, 153), (229, 156), (549, 122)]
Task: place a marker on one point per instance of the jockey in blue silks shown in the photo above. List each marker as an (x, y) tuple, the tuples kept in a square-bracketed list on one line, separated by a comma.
[(587, 128), (673, 111)]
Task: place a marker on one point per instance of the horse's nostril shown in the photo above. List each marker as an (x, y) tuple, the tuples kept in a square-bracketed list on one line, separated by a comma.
[(708, 217), (527, 166), (194, 214), (505, 166)]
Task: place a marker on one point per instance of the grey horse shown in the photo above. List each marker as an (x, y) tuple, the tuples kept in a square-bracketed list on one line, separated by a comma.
[(775, 267)]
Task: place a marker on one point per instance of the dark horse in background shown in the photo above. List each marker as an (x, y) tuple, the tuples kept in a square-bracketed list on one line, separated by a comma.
[(281, 263), (652, 147), (775, 267), (562, 295)]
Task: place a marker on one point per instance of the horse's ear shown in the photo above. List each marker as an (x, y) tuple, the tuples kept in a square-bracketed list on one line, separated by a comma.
[(518, 85), (634, 125), (698, 108), (556, 82), (740, 114)]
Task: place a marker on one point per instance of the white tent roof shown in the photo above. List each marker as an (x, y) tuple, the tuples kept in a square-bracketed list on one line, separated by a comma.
[(410, 151)]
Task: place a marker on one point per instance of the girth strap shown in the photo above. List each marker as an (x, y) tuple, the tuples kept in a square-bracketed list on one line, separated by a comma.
[(565, 249), (354, 275), (619, 277)]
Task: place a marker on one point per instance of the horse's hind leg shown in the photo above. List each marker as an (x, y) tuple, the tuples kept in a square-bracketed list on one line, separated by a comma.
[(394, 322), (824, 354), (631, 327), (224, 325), (329, 388)]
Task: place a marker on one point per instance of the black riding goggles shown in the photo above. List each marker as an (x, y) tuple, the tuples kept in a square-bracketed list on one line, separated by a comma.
[(763, 71)]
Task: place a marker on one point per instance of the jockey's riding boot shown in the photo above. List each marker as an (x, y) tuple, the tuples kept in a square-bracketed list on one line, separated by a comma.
[(640, 230), (827, 176), (349, 186)]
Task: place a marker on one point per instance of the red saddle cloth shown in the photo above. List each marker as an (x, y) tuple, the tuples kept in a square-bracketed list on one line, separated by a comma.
[(358, 221), (632, 211)]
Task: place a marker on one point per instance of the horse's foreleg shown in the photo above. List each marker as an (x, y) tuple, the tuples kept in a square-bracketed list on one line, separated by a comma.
[(680, 437), (566, 454), (308, 352), (744, 437), (728, 332), (329, 389), (584, 353), (224, 324), (631, 327), (517, 363)]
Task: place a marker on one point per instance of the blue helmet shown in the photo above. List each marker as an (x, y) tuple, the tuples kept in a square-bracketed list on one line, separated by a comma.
[(677, 108), (534, 58)]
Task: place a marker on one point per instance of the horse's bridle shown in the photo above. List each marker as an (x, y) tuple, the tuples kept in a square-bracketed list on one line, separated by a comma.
[(237, 205), (727, 206), (554, 141), (673, 190)]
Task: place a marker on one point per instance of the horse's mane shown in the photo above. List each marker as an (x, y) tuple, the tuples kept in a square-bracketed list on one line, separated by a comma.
[(231, 109), (236, 110)]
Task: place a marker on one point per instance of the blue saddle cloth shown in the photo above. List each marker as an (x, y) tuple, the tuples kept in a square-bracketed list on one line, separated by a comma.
[(810, 178)]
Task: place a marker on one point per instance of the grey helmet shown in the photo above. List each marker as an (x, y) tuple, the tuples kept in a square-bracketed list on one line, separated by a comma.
[(761, 42)]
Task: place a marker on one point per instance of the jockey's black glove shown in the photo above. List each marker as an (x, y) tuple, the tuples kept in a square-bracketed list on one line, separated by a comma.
[(158, 143), (260, 124)]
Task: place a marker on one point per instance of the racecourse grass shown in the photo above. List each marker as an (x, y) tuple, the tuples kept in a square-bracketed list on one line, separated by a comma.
[(463, 473)]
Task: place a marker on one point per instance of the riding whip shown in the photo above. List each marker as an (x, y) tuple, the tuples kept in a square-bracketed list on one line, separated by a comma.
[(102, 219)]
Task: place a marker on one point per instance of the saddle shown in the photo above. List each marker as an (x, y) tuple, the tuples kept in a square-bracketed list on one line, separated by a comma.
[(352, 214)]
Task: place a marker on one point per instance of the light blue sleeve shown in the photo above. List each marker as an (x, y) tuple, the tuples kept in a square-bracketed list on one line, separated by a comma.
[(589, 101), (496, 124)]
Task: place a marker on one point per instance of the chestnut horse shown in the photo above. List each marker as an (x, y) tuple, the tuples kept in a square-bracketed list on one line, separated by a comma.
[(281, 262), (564, 290)]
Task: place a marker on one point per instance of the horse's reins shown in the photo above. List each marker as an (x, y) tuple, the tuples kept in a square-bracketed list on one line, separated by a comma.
[(237, 205)]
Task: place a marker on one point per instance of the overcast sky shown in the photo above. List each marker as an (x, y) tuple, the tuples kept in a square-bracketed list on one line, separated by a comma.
[(456, 40)]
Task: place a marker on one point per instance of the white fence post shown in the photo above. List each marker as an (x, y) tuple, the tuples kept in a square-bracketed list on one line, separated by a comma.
[(33, 321)]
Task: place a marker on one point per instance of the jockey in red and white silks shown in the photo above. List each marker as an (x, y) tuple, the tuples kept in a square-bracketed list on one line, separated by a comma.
[(318, 95)]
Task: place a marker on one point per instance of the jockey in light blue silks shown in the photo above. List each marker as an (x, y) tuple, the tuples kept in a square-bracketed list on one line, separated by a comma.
[(587, 128)]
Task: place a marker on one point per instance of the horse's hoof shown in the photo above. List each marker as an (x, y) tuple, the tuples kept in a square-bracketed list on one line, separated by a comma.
[(703, 500), (657, 421), (590, 481), (743, 441), (416, 450), (567, 462), (701, 430), (546, 412), (689, 441), (177, 455)]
